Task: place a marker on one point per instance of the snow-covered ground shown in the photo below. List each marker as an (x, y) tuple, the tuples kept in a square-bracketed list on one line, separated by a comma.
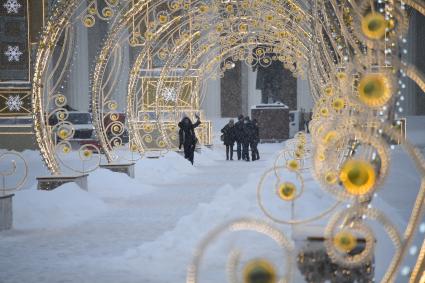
[(146, 229)]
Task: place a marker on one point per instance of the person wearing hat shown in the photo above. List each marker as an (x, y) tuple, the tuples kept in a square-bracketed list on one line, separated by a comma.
[(187, 137), (248, 137), (229, 138), (239, 136), (255, 140)]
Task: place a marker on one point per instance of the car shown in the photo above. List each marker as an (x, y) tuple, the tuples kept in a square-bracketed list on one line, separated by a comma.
[(82, 125)]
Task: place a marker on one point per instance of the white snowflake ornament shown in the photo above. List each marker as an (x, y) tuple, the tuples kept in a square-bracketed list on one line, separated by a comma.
[(12, 6), (14, 103), (13, 53), (169, 94)]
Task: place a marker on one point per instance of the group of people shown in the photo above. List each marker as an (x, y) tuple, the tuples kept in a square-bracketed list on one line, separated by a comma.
[(246, 134)]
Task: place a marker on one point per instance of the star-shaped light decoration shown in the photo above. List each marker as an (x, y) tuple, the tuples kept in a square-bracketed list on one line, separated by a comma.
[(13, 53), (169, 94), (12, 6), (14, 103)]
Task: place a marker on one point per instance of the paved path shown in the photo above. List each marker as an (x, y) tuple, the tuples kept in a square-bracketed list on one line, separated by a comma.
[(67, 255)]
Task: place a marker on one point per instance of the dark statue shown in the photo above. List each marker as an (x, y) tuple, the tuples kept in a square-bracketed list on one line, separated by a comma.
[(270, 82)]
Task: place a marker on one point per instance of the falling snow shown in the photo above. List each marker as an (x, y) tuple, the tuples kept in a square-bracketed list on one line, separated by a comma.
[(13, 53), (12, 6), (14, 103)]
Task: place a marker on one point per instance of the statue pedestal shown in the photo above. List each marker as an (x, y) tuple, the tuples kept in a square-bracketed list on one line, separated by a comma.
[(315, 265), (120, 168), (6, 212), (50, 183), (273, 121)]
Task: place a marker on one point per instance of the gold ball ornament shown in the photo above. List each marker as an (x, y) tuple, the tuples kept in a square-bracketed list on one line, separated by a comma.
[(63, 134), (321, 157), (113, 2), (301, 145), (299, 154), (114, 117), (324, 112), (331, 178), (134, 148), (358, 177), (259, 271), (219, 28), (161, 144), (89, 21), (148, 128), (243, 28), (175, 6), (204, 8), (287, 191), (229, 8), (338, 104), (87, 153), (66, 149), (107, 12), (269, 17), (163, 19), (328, 91), (61, 116), (374, 90), (341, 76), (374, 26), (345, 242), (293, 165), (113, 105), (60, 100), (92, 10)]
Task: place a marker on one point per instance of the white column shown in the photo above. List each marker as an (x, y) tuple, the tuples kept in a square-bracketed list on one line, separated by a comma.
[(78, 81), (254, 94), (304, 99), (211, 104), (245, 89), (121, 90), (409, 93)]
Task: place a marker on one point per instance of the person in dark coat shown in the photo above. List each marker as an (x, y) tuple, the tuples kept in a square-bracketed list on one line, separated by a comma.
[(248, 137), (239, 135), (255, 141), (188, 137), (229, 138), (307, 119)]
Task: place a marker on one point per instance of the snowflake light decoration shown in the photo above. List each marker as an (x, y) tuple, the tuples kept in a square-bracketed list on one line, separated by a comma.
[(169, 94), (12, 6), (13, 53), (14, 103)]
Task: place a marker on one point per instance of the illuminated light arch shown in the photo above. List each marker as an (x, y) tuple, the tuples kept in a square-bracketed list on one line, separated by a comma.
[(135, 14), (179, 56), (47, 100), (326, 64)]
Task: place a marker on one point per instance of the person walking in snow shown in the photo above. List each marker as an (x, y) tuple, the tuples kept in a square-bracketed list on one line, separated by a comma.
[(255, 140), (248, 137), (307, 118), (239, 136), (229, 138), (188, 137)]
